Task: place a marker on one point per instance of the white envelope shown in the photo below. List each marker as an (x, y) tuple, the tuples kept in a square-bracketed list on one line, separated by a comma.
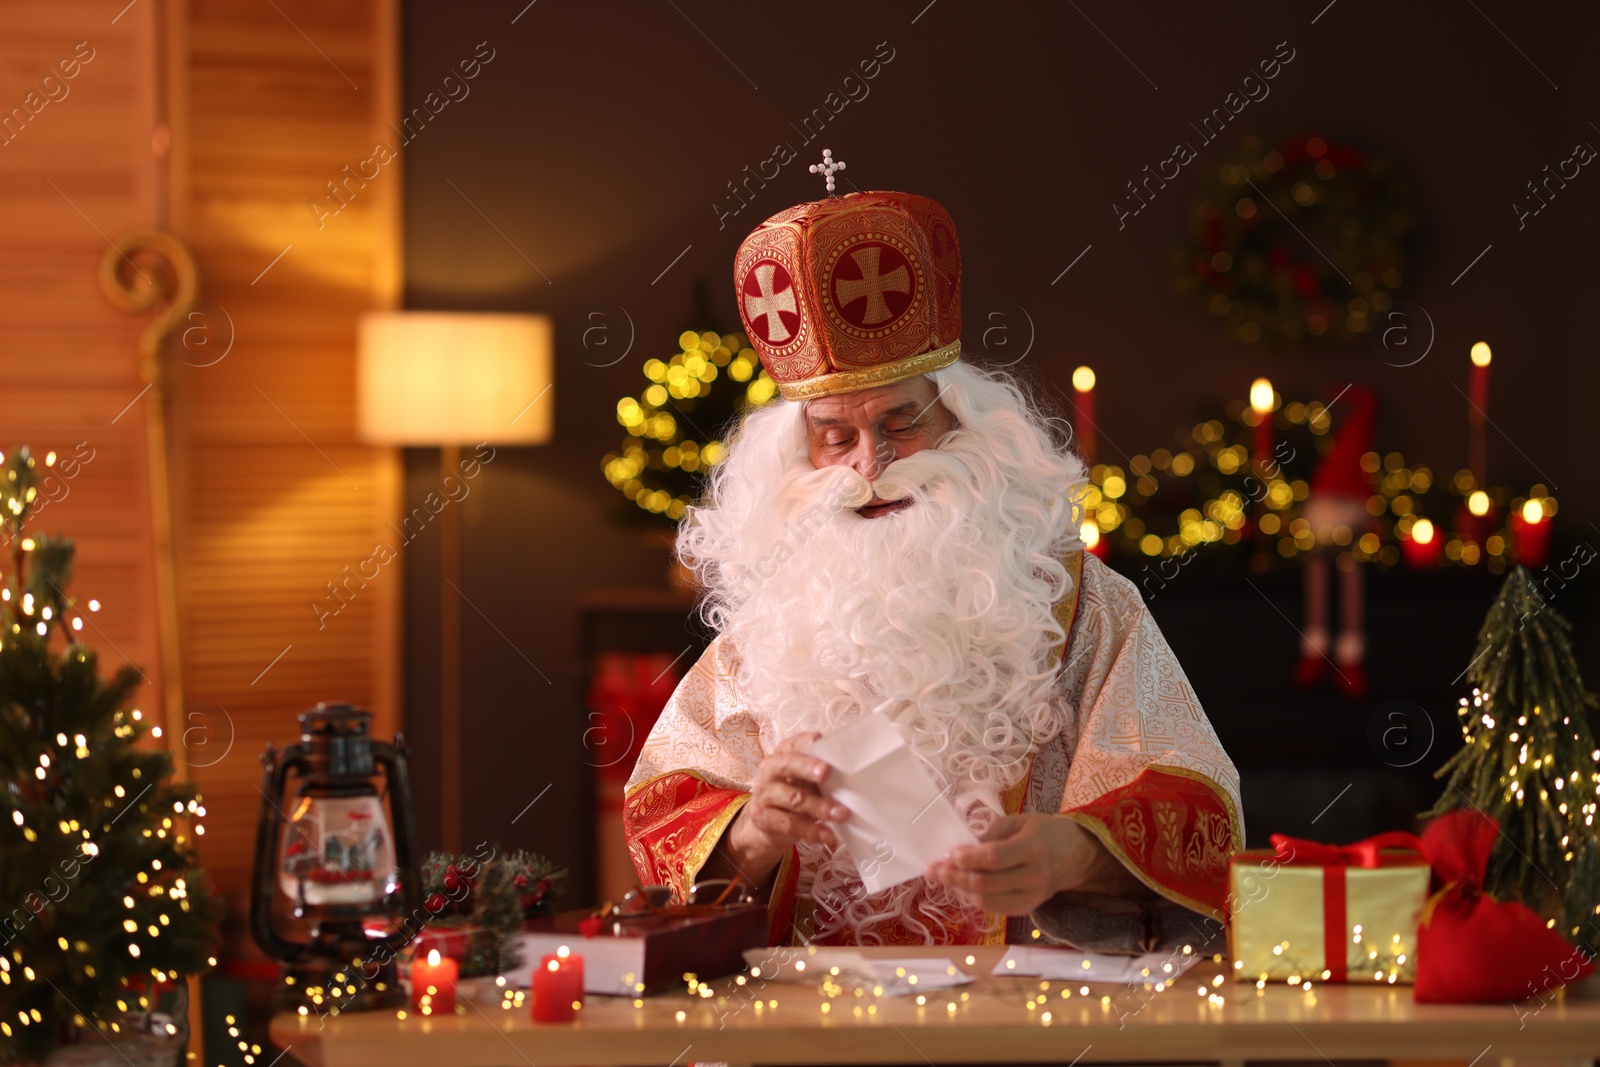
[(900, 820)]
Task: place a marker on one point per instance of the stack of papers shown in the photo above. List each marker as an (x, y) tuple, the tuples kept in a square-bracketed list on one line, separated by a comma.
[(896, 977), (1071, 965)]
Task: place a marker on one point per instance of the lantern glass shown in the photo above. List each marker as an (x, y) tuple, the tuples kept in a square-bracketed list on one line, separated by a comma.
[(337, 850)]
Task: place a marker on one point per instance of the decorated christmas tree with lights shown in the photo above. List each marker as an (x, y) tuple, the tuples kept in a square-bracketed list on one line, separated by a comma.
[(103, 906), (670, 424), (1531, 763)]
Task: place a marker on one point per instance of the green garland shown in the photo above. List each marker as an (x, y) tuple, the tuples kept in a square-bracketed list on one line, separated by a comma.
[(1205, 490)]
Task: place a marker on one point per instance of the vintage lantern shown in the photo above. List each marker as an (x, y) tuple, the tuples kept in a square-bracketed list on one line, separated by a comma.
[(331, 851)]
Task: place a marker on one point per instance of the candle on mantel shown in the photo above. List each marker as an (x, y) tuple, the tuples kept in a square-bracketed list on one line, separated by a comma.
[(1530, 533), (1092, 539), (1421, 547), (433, 984), (558, 987), (1478, 416), (1262, 401), (1083, 398), (1477, 518)]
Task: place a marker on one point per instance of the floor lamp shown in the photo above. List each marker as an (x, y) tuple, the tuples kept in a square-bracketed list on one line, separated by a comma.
[(447, 379)]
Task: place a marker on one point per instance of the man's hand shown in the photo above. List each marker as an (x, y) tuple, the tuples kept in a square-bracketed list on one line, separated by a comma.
[(1024, 860), (785, 806)]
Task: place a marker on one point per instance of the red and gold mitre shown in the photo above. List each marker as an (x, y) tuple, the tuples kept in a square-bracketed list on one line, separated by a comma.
[(852, 292)]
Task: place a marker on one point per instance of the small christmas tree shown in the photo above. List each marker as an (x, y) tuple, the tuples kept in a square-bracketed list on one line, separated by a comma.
[(103, 904), (1530, 762)]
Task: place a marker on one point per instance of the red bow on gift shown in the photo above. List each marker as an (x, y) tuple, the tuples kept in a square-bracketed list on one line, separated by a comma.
[(1472, 948), (1334, 859), (1364, 853)]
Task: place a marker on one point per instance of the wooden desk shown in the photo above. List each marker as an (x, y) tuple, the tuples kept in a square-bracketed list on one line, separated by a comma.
[(992, 1025)]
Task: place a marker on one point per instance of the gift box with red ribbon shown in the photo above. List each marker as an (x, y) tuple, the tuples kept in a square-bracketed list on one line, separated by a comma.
[(1312, 912)]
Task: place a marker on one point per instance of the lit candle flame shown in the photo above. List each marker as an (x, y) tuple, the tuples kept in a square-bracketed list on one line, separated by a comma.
[(1083, 379), (1261, 396), (1481, 354)]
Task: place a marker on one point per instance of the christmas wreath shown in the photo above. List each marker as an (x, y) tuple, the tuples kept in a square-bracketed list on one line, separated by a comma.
[(1302, 242)]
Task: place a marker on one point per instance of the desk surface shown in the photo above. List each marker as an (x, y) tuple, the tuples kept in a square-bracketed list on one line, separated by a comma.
[(993, 1024)]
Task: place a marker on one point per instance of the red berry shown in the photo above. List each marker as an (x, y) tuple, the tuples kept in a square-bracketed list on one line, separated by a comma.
[(435, 902)]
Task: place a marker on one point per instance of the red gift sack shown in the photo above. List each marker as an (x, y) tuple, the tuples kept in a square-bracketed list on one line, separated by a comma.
[(1472, 948)]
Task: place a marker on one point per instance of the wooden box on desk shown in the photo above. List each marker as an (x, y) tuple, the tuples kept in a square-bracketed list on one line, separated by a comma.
[(654, 951)]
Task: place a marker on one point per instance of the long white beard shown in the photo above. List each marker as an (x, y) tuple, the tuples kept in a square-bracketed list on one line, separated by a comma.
[(939, 615)]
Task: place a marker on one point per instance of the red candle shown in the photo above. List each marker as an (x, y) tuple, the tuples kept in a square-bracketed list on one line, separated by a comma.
[(1262, 401), (1478, 385), (1477, 416), (1421, 546), (1083, 425), (433, 984), (1477, 517), (1530, 533), (558, 987)]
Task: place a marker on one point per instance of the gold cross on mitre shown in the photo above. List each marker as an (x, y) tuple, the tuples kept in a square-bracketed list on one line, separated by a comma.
[(827, 167)]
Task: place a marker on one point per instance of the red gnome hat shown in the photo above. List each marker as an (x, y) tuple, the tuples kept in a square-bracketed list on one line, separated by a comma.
[(1340, 473)]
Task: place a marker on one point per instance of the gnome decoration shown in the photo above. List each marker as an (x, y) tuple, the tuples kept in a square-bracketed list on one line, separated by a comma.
[(1336, 507)]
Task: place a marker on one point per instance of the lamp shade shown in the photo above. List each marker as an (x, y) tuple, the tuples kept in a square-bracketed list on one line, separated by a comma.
[(445, 377)]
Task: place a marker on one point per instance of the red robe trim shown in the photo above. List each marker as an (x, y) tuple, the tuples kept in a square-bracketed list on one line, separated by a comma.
[(1174, 829), (673, 823)]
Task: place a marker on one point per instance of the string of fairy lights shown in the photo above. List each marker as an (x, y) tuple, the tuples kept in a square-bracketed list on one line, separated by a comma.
[(1387, 962), (1536, 773), (843, 994)]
